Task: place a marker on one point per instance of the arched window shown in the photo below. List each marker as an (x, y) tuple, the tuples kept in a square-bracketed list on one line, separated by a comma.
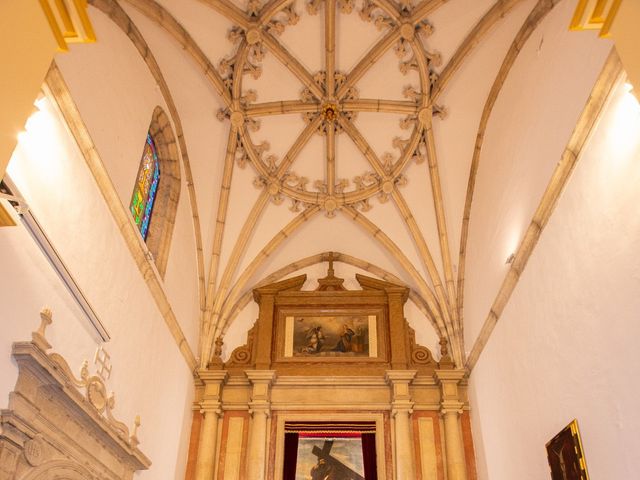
[(144, 193), (154, 201)]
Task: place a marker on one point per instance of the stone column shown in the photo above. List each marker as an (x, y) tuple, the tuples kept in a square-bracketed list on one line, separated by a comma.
[(260, 409), (210, 409), (401, 409), (451, 409)]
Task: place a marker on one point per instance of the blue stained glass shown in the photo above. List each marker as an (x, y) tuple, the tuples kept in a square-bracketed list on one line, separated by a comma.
[(146, 188)]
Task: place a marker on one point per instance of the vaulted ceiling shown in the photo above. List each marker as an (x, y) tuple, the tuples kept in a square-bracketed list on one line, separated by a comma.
[(413, 138)]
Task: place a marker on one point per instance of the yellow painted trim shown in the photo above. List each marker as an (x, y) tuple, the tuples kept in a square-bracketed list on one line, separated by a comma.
[(81, 8), (69, 30), (55, 29), (6, 220), (613, 11), (576, 21), (576, 433), (598, 15)]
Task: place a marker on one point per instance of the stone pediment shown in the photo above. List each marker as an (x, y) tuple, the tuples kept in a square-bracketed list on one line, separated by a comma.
[(59, 426)]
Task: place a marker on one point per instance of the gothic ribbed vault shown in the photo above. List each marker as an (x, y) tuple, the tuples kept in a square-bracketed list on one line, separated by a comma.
[(359, 127)]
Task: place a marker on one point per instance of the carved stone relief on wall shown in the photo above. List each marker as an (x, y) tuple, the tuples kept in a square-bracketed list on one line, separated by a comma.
[(60, 427)]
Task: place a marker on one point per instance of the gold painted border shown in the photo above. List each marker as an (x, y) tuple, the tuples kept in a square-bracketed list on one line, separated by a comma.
[(53, 23), (577, 439), (613, 11), (6, 220)]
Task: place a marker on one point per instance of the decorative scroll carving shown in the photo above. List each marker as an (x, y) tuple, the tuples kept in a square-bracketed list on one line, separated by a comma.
[(420, 356), (241, 356)]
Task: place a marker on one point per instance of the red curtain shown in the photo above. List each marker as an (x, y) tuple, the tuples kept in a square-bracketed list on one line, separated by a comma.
[(369, 456), (290, 456)]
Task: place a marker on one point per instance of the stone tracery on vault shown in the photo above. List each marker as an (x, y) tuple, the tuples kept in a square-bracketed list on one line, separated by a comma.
[(328, 111), (329, 104), (329, 101)]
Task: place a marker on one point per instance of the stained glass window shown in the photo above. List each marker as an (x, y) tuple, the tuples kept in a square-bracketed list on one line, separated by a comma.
[(144, 192)]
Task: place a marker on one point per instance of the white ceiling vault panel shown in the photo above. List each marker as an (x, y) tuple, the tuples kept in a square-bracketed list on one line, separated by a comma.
[(330, 93), (207, 27), (464, 98), (453, 21), (305, 39), (354, 38)]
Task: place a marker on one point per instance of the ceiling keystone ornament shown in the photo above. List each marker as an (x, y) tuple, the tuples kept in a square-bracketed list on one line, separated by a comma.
[(330, 101)]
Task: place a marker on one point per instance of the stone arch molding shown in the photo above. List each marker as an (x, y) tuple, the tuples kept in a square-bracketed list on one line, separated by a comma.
[(58, 470), (166, 204)]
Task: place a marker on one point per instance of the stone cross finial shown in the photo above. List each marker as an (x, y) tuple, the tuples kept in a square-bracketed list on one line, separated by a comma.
[(37, 337), (133, 439), (102, 361), (330, 272)]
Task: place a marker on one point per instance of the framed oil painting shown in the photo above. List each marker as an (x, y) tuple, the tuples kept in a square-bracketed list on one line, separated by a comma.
[(324, 336), (331, 451), (565, 455), (334, 457)]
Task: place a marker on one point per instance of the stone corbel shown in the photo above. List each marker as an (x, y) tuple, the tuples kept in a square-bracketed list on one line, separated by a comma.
[(399, 381), (261, 381), (213, 381)]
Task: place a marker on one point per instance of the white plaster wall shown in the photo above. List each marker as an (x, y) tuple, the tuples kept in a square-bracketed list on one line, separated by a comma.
[(116, 95), (566, 345), (531, 123), (150, 376)]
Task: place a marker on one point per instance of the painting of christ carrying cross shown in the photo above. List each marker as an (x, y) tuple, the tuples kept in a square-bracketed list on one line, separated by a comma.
[(329, 458), (330, 452)]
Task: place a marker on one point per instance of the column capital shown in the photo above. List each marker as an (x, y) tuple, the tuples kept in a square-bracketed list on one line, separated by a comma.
[(449, 407), (260, 408), (208, 407), (401, 407)]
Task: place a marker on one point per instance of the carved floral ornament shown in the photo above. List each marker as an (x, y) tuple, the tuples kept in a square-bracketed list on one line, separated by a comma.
[(330, 102), (92, 387)]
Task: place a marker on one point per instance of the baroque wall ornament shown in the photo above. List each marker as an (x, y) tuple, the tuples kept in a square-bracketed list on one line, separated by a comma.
[(330, 101), (56, 421)]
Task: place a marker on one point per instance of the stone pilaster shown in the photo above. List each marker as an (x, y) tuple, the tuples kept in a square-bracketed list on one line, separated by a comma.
[(210, 409), (260, 410), (451, 409), (401, 409)]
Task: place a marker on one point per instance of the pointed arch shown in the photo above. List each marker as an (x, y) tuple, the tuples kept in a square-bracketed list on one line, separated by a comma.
[(164, 190)]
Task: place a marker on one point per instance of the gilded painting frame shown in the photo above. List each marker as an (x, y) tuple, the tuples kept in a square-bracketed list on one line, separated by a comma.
[(566, 455)]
